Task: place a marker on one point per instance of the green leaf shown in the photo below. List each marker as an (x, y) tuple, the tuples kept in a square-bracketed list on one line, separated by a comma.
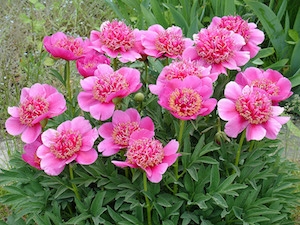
[(219, 200), (148, 16), (178, 18), (131, 219), (278, 65), (295, 65), (229, 7), (208, 160), (56, 74), (295, 79), (292, 127), (158, 12), (193, 173), (265, 52), (77, 219), (96, 206), (214, 178)]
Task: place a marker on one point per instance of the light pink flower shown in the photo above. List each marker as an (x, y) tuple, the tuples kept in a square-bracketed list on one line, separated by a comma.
[(274, 83), (116, 39), (72, 140), (253, 36), (37, 103), (188, 98), (180, 70), (29, 154), (116, 134), (250, 108), (160, 43), (148, 154), (219, 48), (87, 64), (100, 90), (60, 45)]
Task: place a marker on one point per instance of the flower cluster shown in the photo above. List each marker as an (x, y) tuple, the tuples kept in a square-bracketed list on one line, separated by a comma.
[(184, 88)]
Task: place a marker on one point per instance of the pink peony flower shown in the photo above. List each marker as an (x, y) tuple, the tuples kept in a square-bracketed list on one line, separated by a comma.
[(60, 45), (160, 43), (274, 83), (188, 98), (180, 70), (101, 89), (37, 103), (116, 133), (250, 108), (29, 154), (87, 64), (219, 48), (116, 39), (147, 153), (73, 140), (253, 36)]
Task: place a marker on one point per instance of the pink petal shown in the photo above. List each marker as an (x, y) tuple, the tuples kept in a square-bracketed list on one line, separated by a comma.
[(232, 90), (120, 117), (272, 127), (48, 136), (30, 134), (106, 129), (235, 126), (13, 111), (102, 111), (85, 100), (171, 148), (123, 164), (147, 123), (107, 147), (87, 157), (157, 171), (255, 132), (13, 126), (226, 109), (190, 53)]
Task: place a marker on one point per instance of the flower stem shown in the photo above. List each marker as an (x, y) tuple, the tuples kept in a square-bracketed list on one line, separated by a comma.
[(115, 64), (251, 145), (147, 200), (68, 80), (73, 185), (238, 154)]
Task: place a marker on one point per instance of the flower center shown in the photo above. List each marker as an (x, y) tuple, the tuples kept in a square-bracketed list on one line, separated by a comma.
[(66, 144), (108, 84), (169, 43), (182, 69), (185, 102), (122, 131), (116, 35), (254, 106), (31, 109), (267, 85), (70, 44), (145, 153), (215, 46)]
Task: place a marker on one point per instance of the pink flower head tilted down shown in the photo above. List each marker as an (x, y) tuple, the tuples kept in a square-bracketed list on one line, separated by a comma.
[(274, 83), (180, 70), (100, 90), (73, 140), (116, 134), (188, 98), (148, 154), (160, 43), (117, 40), (253, 36), (250, 108), (219, 48), (37, 103), (60, 45)]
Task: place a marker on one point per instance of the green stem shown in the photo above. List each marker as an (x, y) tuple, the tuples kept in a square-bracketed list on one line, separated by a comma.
[(147, 200), (73, 185), (251, 145), (68, 81), (238, 154), (115, 64), (180, 135)]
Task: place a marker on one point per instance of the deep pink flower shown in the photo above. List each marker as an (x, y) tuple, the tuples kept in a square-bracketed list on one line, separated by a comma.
[(106, 84), (148, 154), (250, 108), (87, 64), (29, 154), (37, 103), (160, 43), (116, 39), (274, 83), (60, 45), (219, 48), (116, 134), (180, 70), (72, 140), (253, 36), (188, 98)]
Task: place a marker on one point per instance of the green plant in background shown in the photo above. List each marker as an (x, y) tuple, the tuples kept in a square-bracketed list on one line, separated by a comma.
[(211, 184)]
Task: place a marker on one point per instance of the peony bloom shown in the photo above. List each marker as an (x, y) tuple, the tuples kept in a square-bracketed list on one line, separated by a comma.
[(147, 153), (87, 64), (274, 83), (253, 36), (60, 45), (180, 70), (29, 154), (160, 43), (101, 89), (116, 39), (219, 48), (250, 108), (188, 98), (116, 133), (37, 103), (72, 140)]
